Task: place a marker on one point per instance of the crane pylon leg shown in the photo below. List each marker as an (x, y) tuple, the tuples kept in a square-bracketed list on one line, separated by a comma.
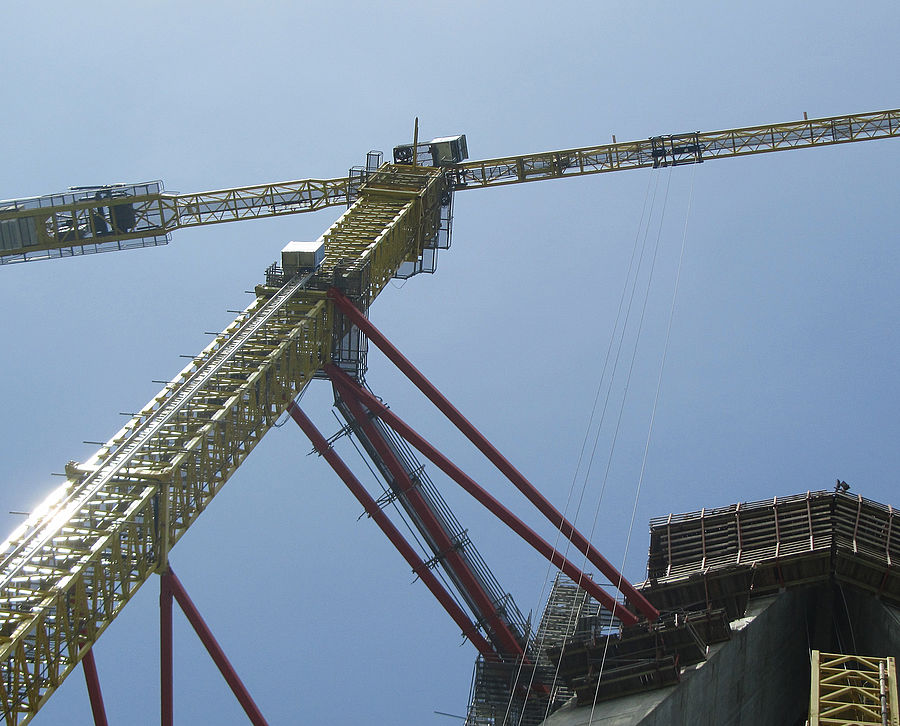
[(171, 587), (393, 534), (93, 685), (166, 665), (566, 528), (556, 558), (503, 638)]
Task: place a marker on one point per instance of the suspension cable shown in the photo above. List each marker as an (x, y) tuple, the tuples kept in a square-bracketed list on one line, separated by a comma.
[(652, 181), (659, 379), (639, 241)]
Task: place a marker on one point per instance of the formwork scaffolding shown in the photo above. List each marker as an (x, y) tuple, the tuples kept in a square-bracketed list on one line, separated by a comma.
[(722, 557), (703, 570), (506, 693)]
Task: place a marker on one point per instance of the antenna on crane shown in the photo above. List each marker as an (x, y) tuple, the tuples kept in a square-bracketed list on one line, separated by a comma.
[(415, 140)]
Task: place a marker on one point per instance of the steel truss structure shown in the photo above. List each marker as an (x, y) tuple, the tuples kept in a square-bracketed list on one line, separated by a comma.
[(853, 690), (39, 227), (84, 220), (77, 560), (70, 568), (677, 149), (490, 701)]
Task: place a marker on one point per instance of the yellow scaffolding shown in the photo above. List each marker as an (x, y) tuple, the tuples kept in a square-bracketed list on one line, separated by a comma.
[(853, 690)]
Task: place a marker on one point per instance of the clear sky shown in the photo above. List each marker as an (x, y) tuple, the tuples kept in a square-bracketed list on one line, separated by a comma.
[(781, 371)]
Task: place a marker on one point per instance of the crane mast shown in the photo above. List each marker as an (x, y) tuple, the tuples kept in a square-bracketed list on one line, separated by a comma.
[(70, 568)]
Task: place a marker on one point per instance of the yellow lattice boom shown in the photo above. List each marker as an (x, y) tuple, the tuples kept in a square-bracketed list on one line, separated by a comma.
[(96, 219)]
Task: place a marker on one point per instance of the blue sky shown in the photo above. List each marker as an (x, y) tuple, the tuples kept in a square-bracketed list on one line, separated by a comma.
[(781, 367)]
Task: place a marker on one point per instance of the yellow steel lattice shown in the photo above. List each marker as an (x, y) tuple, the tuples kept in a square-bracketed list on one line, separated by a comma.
[(677, 149), (74, 224), (69, 570), (853, 690)]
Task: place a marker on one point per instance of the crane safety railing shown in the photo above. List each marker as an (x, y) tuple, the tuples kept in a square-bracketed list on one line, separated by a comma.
[(445, 516)]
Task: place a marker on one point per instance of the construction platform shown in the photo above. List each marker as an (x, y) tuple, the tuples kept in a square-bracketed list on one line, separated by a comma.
[(748, 592)]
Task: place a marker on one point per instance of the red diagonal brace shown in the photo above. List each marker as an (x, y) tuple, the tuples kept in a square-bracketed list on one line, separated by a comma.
[(89, 666), (352, 391), (392, 533), (173, 585), (503, 638), (509, 471), (166, 660)]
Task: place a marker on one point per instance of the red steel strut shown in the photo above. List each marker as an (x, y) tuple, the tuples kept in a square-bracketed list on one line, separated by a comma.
[(170, 586), (392, 533), (505, 640), (89, 666), (494, 456), (350, 389)]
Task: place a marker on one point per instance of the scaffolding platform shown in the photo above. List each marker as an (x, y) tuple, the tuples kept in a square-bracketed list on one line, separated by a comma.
[(722, 557)]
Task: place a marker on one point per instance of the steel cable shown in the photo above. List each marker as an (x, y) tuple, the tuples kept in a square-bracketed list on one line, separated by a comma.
[(662, 364), (638, 241)]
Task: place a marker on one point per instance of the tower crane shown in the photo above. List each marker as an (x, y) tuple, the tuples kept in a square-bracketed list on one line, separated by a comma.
[(71, 567)]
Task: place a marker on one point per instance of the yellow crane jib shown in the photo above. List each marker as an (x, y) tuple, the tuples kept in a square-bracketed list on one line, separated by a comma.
[(675, 149), (86, 220)]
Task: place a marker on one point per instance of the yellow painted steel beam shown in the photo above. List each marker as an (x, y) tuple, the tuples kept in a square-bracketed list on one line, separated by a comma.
[(100, 219), (853, 690), (675, 149), (73, 565), (254, 202)]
